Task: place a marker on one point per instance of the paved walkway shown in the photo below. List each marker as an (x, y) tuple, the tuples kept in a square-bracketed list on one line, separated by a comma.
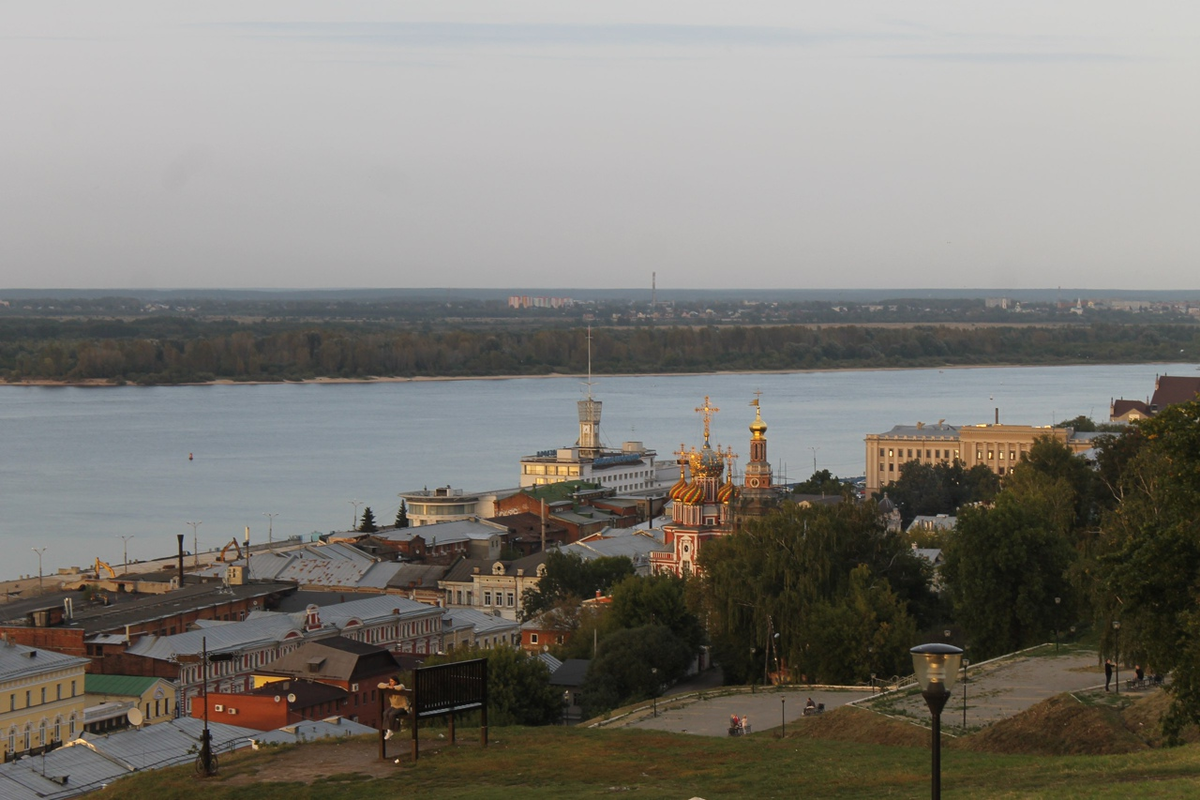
[(995, 690)]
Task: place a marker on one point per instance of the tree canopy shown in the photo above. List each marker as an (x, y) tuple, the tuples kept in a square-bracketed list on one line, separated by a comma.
[(810, 573), (571, 578)]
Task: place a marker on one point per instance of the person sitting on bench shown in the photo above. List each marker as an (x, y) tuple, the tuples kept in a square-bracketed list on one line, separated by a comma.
[(393, 716)]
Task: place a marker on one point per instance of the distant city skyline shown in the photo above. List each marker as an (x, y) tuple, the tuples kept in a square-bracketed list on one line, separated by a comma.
[(298, 145)]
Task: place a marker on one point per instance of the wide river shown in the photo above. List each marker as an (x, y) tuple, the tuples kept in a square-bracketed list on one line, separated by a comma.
[(82, 467)]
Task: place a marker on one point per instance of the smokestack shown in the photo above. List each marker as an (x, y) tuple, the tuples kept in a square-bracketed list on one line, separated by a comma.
[(997, 416), (180, 537), (247, 552)]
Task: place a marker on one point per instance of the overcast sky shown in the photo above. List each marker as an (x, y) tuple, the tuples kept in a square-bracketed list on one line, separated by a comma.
[(555, 144)]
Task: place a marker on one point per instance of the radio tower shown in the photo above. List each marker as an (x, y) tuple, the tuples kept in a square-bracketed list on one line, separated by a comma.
[(653, 291)]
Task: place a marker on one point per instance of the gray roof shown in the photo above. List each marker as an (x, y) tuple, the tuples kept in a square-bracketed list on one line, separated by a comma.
[(337, 658), (18, 661), (942, 431), (333, 564), (550, 661), (446, 532), (633, 546), (422, 576), (95, 760), (571, 673), (142, 608), (484, 624), (261, 628)]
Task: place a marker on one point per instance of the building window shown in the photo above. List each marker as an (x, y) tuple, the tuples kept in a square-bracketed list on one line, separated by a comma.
[(1002, 470), (533, 638), (58, 691), (990, 455), (1012, 455), (510, 599), (881, 452), (891, 467), (910, 452)]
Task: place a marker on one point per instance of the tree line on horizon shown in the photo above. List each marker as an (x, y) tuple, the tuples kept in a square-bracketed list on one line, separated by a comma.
[(187, 351)]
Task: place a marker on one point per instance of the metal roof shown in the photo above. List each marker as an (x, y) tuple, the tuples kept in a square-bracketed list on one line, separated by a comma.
[(18, 661), (266, 627), (123, 685)]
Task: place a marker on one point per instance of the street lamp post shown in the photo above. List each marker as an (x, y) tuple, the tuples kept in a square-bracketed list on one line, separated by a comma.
[(1117, 653), (270, 530), (39, 551), (936, 668), (354, 519), (783, 718), (195, 542), (966, 661), (124, 553)]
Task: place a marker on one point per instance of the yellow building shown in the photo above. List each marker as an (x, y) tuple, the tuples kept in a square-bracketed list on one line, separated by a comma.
[(997, 447), (41, 699), (109, 698)]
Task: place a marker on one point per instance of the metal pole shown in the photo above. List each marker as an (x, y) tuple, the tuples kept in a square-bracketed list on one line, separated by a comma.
[(271, 530), (936, 702), (783, 718), (965, 662), (125, 553), (206, 738), (39, 551), (195, 542), (354, 519)]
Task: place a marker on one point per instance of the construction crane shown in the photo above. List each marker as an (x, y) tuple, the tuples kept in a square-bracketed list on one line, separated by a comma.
[(100, 565)]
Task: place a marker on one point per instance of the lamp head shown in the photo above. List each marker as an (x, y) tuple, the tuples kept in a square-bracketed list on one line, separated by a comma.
[(936, 666)]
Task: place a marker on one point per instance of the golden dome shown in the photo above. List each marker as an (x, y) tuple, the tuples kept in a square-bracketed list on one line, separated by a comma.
[(707, 463), (758, 428)]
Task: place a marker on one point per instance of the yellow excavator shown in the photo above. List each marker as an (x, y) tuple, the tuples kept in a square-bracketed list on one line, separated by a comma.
[(101, 566), (236, 548)]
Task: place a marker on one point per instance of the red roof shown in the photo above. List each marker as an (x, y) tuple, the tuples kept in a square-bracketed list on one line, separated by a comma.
[(1172, 389)]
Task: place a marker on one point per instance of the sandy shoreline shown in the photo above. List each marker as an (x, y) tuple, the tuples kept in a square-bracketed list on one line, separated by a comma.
[(100, 383)]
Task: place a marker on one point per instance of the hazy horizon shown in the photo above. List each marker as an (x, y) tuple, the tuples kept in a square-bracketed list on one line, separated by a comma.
[(761, 145)]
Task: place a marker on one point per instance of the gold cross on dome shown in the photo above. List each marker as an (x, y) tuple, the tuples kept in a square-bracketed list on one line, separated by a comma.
[(707, 410)]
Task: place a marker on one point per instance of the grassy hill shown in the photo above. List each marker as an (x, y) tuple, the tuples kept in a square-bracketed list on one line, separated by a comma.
[(848, 753)]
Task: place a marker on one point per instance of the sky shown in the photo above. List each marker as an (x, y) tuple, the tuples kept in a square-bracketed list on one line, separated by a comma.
[(759, 144)]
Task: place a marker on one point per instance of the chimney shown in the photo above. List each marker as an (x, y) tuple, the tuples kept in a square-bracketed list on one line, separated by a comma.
[(997, 416), (180, 537)]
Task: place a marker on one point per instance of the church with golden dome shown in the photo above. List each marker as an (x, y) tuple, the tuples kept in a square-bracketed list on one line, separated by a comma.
[(705, 502)]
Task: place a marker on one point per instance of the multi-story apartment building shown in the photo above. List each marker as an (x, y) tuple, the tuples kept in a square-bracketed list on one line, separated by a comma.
[(41, 699), (997, 447)]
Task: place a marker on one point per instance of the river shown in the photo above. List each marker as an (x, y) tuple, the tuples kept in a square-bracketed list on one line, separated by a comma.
[(82, 467)]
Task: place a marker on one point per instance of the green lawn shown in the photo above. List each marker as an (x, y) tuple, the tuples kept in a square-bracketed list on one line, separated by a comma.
[(575, 763)]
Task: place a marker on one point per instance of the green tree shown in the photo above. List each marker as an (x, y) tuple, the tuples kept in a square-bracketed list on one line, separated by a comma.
[(402, 515), (570, 576), (786, 569), (633, 664), (519, 691), (366, 523), (656, 600), (1148, 568), (1005, 565), (823, 482)]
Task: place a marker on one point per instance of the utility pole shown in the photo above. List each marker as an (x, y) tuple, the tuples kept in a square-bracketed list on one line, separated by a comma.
[(195, 543), (354, 519), (814, 449), (39, 551), (125, 553), (270, 530)]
